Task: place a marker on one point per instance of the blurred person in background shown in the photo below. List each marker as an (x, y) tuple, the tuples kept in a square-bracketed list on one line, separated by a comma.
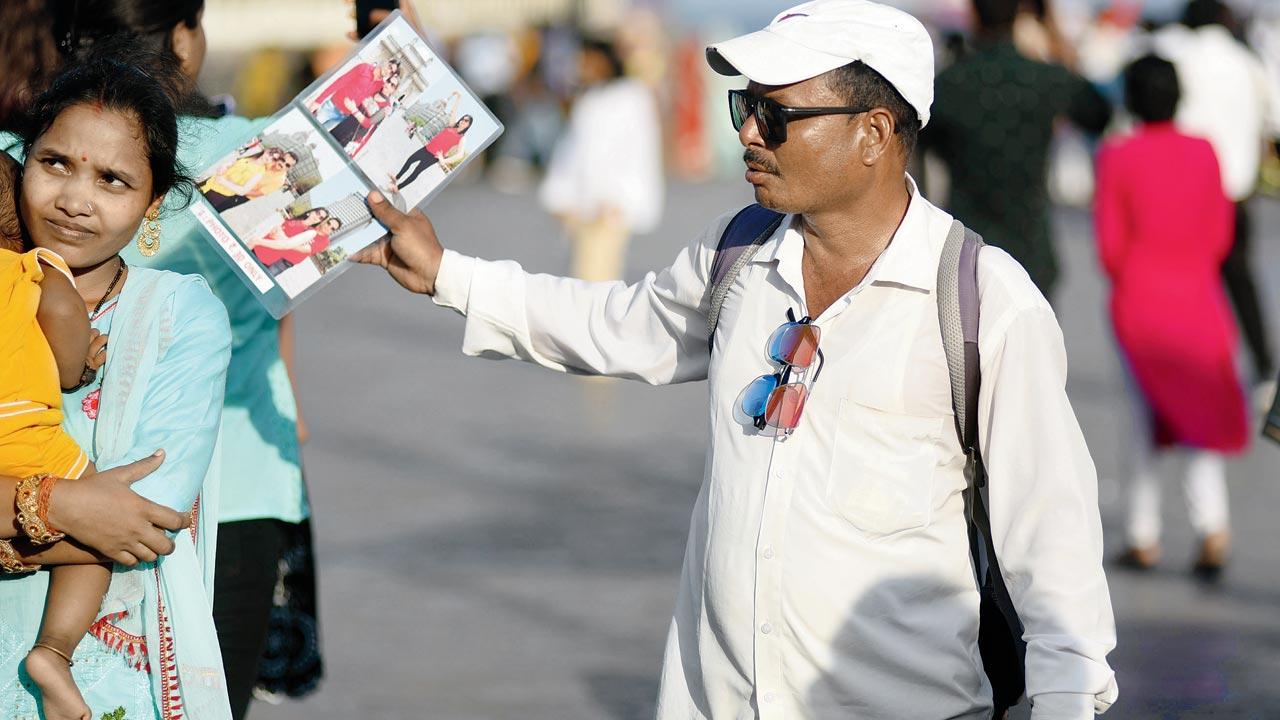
[(1225, 99), (490, 63), (1164, 227), (263, 506), (690, 152), (994, 119), (1264, 37), (30, 59), (526, 146), (605, 179)]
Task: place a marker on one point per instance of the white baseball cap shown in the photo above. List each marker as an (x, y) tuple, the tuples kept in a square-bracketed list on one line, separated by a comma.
[(819, 36)]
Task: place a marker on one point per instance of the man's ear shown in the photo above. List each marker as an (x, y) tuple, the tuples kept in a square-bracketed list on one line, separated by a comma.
[(188, 46), (876, 136)]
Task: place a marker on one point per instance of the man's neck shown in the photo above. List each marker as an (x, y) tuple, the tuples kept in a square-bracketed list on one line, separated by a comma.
[(841, 245), (998, 35), (858, 229)]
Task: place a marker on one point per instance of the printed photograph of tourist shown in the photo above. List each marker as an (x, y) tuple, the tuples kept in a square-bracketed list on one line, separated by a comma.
[(252, 184), (401, 114), (314, 234)]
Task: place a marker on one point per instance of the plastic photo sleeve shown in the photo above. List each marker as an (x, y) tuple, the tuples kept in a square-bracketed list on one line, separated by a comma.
[(287, 207)]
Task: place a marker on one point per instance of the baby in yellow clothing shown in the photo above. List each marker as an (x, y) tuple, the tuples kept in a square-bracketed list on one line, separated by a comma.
[(46, 345), (46, 339)]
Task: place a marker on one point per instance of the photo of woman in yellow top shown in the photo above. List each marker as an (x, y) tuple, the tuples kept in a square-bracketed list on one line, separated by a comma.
[(248, 177)]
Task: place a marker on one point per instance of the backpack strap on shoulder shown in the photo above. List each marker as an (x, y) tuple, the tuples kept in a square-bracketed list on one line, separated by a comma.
[(742, 238), (958, 315)]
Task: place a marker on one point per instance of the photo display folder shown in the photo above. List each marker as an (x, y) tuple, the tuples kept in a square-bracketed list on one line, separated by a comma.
[(288, 207)]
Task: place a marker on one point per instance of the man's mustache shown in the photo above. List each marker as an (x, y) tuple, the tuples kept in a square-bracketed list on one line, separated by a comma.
[(759, 160)]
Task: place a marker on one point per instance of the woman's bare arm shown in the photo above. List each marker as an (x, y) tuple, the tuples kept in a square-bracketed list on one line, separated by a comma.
[(101, 511)]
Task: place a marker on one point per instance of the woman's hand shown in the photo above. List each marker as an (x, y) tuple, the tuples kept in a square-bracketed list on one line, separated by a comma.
[(100, 511)]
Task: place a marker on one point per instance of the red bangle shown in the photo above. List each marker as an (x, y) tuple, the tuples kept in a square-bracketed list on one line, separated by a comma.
[(32, 499), (42, 503)]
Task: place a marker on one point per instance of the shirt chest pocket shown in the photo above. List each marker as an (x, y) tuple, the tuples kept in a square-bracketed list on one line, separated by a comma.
[(882, 468)]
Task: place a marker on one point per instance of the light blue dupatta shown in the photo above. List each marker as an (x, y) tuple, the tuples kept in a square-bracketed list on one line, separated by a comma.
[(169, 602)]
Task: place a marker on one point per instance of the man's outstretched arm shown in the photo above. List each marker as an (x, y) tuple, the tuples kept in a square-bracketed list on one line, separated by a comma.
[(654, 330)]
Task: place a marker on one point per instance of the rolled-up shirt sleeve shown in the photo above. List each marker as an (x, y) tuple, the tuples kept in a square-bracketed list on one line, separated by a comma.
[(654, 330), (1044, 515)]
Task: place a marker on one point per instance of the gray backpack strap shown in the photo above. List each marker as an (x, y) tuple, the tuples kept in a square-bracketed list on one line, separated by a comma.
[(958, 316), (742, 237), (1000, 633)]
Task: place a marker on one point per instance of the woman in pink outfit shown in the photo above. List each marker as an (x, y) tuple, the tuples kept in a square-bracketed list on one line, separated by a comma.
[(1164, 227)]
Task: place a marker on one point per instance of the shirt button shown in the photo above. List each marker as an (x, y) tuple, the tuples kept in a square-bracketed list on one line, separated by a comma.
[(768, 553), (766, 628), (769, 697)]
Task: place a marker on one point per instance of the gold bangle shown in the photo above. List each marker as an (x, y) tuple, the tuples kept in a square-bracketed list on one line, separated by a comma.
[(11, 561), (56, 651), (31, 502)]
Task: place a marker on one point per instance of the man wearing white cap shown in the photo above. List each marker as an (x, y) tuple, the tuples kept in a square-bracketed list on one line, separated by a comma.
[(827, 572)]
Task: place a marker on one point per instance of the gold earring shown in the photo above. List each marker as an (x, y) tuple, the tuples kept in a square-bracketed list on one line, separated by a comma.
[(149, 238)]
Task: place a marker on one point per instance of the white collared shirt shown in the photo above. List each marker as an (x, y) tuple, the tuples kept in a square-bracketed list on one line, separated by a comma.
[(1224, 99), (828, 575)]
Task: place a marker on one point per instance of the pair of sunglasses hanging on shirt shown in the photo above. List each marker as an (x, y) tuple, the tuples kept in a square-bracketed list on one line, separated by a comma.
[(776, 400)]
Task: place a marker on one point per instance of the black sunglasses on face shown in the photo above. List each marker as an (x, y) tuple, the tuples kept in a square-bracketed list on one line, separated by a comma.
[(772, 117)]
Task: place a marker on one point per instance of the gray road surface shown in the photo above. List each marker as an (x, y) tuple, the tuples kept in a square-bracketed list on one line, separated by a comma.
[(498, 541)]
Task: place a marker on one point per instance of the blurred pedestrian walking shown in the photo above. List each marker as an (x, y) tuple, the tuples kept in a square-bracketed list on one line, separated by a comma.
[(1164, 228), (994, 119), (1225, 99), (605, 179)]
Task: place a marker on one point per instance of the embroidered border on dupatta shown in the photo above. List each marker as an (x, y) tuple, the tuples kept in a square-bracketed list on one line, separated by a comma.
[(133, 647), (195, 520), (170, 696)]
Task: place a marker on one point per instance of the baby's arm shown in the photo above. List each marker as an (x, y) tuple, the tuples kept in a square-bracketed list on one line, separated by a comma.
[(65, 324)]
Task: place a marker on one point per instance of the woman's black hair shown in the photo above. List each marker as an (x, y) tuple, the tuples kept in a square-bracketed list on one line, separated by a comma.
[(29, 57), (470, 121), (609, 51), (1151, 89), (308, 211), (80, 25), (103, 78)]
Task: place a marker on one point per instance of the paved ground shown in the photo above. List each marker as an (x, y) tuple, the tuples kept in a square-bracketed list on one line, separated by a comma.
[(502, 542)]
